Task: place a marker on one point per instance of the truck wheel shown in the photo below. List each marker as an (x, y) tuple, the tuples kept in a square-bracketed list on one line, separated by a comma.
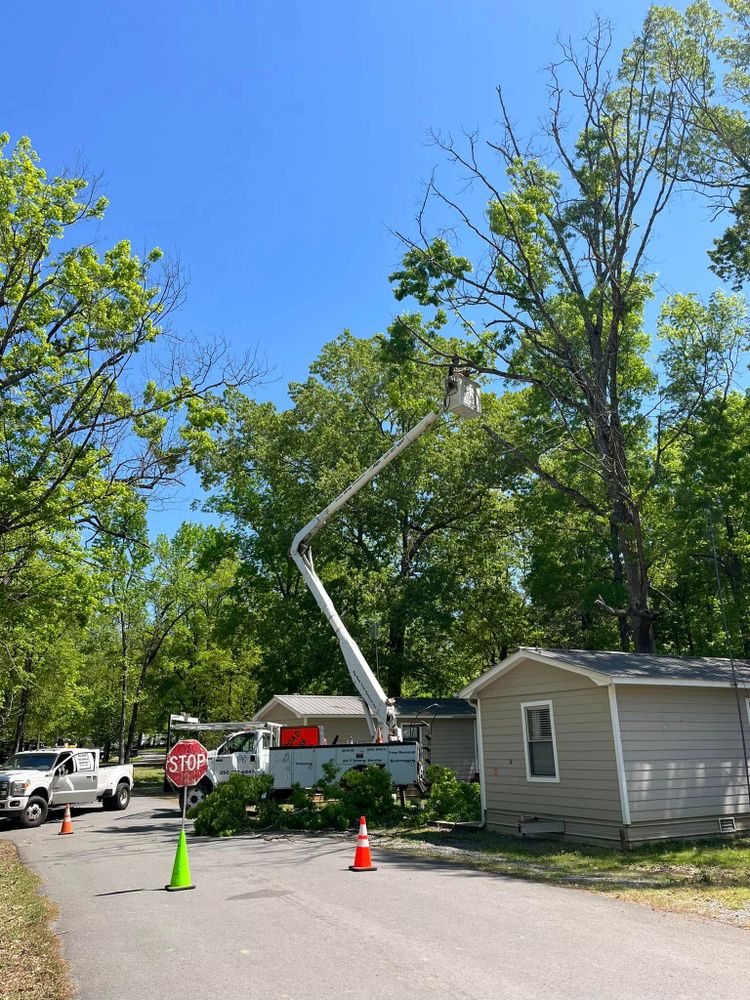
[(121, 798), (195, 794), (35, 812)]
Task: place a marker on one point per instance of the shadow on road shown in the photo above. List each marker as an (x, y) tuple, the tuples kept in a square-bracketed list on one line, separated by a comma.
[(125, 892)]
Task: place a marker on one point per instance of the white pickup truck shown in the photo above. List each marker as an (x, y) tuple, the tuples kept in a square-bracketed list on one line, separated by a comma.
[(35, 781)]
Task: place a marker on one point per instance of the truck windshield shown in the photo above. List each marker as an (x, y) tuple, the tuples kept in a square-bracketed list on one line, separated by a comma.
[(240, 743), (30, 762)]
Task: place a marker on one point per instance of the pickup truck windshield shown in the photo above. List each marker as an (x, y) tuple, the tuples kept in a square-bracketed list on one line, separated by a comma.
[(30, 762)]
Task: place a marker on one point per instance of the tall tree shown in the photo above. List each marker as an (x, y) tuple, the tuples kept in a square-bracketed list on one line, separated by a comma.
[(554, 299), (97, 396)]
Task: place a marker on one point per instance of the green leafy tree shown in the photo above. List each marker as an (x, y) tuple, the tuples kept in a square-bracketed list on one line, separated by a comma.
[(41, 650), (705, 50), (83, 426), (399, 555), (553, 300), (707, 493)]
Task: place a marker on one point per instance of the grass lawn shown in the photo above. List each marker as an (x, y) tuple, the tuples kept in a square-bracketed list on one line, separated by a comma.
[(30, 951), (710, 878), (144, 776)]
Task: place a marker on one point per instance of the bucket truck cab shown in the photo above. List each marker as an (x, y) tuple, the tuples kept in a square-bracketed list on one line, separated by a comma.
[(247, 752)]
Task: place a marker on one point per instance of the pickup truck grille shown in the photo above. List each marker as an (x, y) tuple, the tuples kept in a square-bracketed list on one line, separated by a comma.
[(4, 786)]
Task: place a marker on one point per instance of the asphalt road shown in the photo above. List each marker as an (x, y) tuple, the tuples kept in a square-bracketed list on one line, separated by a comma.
[(283, 919)]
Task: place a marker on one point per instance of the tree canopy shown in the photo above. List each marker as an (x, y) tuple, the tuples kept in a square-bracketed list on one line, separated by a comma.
[(590, 507)]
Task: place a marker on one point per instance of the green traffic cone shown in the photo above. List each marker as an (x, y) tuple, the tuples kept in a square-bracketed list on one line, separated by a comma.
[(181, 869)]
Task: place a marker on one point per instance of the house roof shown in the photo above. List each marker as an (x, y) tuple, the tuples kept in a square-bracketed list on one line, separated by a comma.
[(610, 667), (440, 708), (331, 706), (316, 704)]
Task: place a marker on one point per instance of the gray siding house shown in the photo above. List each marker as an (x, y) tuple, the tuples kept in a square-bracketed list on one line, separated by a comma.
[(451, 722), (612, 748)]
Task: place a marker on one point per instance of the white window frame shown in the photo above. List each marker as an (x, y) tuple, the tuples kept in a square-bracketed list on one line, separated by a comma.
[(529, 775)]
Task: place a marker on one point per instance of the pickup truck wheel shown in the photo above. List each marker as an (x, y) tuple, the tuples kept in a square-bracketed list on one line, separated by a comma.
[(35, 812), (121, 798)]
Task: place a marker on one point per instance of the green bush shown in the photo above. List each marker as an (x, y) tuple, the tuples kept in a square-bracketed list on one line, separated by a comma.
[(369, 793), (358, 793), (334, 815), (223, 813), (451, 799)]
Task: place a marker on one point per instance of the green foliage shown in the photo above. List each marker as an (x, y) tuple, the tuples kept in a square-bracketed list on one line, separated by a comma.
[(335, 815), (71, 323), (369, 793), (402, 555), (584, 489), (223, 813), (451, 799), (329, 805), (84, 435), (553, 302), (339, 804)]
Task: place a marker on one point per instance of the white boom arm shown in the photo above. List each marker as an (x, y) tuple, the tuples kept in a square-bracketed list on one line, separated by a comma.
[(462, 398)]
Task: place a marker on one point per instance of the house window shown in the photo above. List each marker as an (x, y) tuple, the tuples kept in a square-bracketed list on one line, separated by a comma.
[(539, 741)]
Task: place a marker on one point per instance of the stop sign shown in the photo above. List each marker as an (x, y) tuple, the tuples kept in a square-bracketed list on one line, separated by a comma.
[(186, 763)]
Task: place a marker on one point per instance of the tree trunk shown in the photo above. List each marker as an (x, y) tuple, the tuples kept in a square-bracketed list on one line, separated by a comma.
[(734, 570), (7, 699), (132, 729), (21, 720), (619, 582), (396, 647), (630, 533), (123, 688), (627, 520), (149, 657)]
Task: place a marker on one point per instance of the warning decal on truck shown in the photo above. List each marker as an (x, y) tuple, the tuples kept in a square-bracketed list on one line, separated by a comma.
[(300, 736)]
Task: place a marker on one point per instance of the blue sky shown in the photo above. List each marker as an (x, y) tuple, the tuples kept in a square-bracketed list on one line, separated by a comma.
[(273, 145)]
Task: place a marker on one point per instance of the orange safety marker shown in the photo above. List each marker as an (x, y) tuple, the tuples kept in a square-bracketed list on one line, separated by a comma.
[(67, 826), (362, 859)]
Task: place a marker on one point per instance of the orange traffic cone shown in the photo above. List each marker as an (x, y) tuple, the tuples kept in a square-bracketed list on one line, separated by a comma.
[(67, 826), (362, 859)]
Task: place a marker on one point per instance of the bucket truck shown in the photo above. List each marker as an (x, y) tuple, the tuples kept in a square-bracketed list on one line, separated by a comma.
[(258, 748)]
